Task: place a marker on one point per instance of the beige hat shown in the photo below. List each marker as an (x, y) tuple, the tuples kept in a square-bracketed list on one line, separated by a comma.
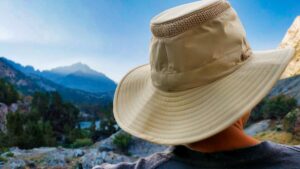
[(201, 78)]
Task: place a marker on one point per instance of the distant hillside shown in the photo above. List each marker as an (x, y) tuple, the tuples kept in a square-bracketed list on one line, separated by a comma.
[(76, 76), (21, 81), (80, 76), (19, 67), (30, 82)]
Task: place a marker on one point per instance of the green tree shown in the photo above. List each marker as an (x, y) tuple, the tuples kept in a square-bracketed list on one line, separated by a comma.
[(4, 142), (94, 132), (40, 102), (49, 138), (15, 130), (49, 122), (122, 141), (8, 93), (108, 123), (34, 134), (257, 112), (289, 121), (278, 106), (62, 116)]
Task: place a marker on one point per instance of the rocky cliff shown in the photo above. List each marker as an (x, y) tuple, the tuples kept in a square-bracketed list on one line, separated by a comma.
[(292, 38), (290, 83)]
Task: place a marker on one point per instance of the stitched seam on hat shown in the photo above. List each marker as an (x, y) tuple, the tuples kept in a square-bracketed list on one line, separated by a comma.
[(179, 25)]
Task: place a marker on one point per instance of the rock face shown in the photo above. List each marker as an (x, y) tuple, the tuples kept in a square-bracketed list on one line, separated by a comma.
[(292, 38), (137, 147), (288, 86), (290, 79), (20, 106), (290, 83), (258, 127)]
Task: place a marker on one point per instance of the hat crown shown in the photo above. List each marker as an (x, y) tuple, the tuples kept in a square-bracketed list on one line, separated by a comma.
[(182, 11), (195, 44)]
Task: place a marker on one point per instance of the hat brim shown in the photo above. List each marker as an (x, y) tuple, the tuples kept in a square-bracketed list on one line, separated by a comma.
[(175, 118)]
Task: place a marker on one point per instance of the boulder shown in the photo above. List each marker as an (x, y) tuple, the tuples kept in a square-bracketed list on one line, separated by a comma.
[(78, 153), (15, 164), (258, 127), (137, 147), (142, 148), (94, 157), (13, 107)]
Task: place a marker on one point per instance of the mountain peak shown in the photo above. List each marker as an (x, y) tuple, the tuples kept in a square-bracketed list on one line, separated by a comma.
[(76, 67), (79, 64)]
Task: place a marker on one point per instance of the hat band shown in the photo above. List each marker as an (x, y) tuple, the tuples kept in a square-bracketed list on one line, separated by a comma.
[(181, 24)]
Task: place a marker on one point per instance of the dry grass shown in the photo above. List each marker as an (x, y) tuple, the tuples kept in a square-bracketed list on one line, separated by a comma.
[(278, 137)]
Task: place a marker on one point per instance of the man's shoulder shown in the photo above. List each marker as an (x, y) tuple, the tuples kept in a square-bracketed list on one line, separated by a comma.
[(289, 153), (149, 162), (272, 155), (293, 149)]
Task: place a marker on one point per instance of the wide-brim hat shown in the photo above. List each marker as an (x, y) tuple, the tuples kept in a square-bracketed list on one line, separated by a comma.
[(202, 76)]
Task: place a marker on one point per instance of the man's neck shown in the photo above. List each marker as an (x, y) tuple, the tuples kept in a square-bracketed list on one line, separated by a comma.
[(229, 139)]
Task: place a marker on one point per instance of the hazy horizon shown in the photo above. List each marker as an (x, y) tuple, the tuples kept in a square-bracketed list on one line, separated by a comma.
[(69, 64), (112, 37)]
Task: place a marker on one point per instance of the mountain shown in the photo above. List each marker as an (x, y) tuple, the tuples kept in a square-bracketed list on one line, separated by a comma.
[(80, 76), (21, 81), (29, 82), (76, 76), (292, 38), (290, 79), (24, 69)]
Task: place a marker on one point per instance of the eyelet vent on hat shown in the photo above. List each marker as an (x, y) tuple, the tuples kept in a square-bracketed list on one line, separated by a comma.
[(179, 25)]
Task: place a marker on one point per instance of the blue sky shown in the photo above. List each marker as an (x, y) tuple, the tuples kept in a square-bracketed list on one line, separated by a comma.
[(112, 36)]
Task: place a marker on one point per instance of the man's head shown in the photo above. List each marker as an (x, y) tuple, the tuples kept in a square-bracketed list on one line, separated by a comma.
[(201, 77), (226, 139)]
